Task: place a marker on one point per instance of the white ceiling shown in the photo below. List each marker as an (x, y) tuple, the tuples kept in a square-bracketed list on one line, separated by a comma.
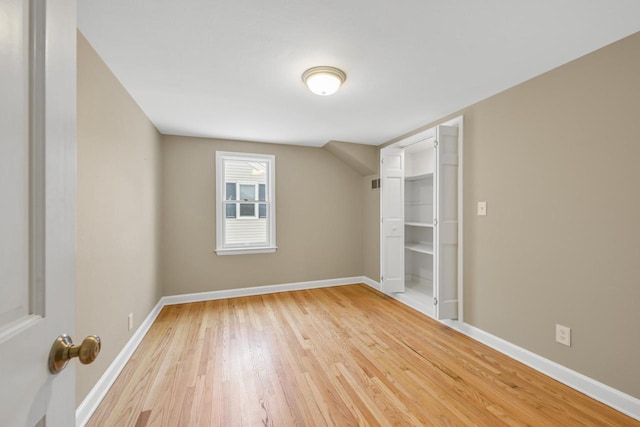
[(232, 69)]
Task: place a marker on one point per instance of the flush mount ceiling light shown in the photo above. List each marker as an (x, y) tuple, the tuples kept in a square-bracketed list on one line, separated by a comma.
[(324, 80)]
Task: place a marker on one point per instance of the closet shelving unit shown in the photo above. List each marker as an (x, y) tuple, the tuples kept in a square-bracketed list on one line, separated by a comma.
[(421, 232), (418, 221)]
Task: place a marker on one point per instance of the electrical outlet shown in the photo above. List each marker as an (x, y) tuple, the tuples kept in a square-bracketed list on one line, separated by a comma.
[(563, 335), (482, 208), (130, 318)]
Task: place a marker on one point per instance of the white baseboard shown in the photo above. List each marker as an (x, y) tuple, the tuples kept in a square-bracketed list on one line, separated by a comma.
[(375, 285), (616, 399), (90, 403), (98, 392), (258, 290)]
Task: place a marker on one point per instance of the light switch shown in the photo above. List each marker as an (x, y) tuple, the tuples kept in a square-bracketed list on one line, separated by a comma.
[(482, 208)]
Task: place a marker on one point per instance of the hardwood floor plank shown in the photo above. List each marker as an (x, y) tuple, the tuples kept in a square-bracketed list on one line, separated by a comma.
[(339, 356), (143, 418)]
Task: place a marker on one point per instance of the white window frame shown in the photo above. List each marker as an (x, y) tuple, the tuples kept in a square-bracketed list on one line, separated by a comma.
[(270, 195)]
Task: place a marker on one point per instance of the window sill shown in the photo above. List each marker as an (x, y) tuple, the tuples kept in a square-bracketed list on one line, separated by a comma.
[(246, 251)]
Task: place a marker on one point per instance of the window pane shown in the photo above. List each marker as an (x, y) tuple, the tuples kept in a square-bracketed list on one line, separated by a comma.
[(247, 209), (231, 191), (261, 192), (231, 210), (262, 210), (247, 192)]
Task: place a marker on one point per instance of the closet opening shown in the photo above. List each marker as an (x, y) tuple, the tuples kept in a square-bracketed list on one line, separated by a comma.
[(421, 228)]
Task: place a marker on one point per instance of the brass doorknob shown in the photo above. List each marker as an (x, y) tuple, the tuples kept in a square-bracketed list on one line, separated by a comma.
[(63, 350)]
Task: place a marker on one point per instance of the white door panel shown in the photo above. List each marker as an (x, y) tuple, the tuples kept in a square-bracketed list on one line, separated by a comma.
[(37, 217), (392, 212), (14, 159), (446, 254)]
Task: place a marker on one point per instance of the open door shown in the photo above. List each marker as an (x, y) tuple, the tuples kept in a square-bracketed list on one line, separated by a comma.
[(392, 214), (37, 217), (446, 224)]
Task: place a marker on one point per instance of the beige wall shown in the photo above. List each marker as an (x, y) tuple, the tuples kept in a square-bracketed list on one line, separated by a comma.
[(318, 215), (557, 160), (371, 228), (361, 158), (365, 159), (118, 164)]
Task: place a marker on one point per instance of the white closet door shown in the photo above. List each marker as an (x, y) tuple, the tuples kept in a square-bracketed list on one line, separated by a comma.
[(446, 257), (392, 212)]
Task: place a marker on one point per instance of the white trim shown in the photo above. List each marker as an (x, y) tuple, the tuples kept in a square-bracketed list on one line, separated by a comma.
[(90, 403), (258, 290), (372, 283), (241, 251), (603, 393), (415, 138)]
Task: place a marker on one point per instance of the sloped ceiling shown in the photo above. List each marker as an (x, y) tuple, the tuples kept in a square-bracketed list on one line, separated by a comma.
[(232, 69)]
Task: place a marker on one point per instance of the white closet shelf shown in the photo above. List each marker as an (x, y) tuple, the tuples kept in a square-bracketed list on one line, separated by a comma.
[(422, 247), (418, 177), (419, 224)]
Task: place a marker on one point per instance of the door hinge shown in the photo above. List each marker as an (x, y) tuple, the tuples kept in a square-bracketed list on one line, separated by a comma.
[(435, 144), (382, 161), (435, 221), (435, 301), (382, 278)]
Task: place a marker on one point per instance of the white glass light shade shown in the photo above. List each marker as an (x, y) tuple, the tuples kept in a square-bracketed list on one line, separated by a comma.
[(324, 80)]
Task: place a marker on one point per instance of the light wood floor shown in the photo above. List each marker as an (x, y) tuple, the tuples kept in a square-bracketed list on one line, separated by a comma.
[(340, 356)]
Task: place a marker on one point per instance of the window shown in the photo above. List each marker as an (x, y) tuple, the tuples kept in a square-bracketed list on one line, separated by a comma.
[(245, 203)]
